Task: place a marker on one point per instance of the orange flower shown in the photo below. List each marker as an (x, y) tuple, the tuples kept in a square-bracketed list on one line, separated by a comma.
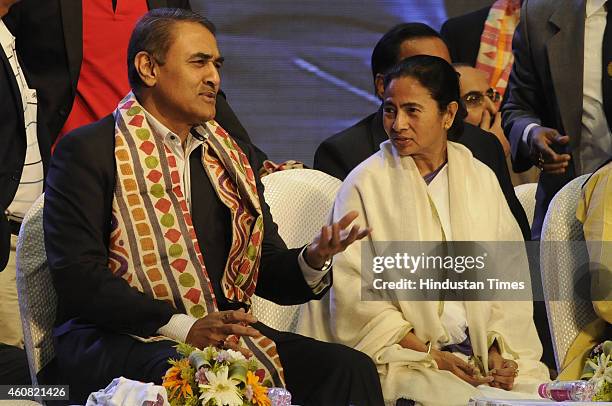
[(260, 393), (174, 381)]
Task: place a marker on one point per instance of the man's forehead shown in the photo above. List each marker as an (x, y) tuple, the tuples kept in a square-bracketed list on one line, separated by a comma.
[(192, 38), (472, 79), (424, 46)]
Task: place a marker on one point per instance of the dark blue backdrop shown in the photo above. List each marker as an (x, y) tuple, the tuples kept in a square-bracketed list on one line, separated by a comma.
[(297, 72)]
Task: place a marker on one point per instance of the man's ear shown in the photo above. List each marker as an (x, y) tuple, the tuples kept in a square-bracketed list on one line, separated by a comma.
[(379, 85), (146, 67)]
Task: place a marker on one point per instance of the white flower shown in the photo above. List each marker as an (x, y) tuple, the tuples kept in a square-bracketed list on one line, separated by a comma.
[(235, 355), (602, 370), (222, 390)]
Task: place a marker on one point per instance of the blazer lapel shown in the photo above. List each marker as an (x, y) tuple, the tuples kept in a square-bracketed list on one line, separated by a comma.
[(72, 22), (14, 86), (565, 51)]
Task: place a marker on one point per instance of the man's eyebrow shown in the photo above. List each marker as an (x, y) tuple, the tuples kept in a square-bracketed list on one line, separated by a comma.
[(208, 57)]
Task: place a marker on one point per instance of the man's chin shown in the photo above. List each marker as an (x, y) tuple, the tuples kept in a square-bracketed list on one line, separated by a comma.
[(208, 115)]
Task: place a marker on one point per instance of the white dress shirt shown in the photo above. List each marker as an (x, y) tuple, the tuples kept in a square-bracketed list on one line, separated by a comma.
[(596, 141), (31, 182), (179, 325)]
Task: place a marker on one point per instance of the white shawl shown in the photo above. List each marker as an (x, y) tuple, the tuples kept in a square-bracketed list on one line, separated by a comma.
[(392, 198)]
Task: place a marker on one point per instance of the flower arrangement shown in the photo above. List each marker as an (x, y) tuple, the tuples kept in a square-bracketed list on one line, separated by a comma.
[(215, 377), (598, 370)]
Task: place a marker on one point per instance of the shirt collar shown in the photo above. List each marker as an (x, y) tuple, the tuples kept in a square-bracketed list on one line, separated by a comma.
[(157, 127), (171, 137), (593, 6), (6, 38)]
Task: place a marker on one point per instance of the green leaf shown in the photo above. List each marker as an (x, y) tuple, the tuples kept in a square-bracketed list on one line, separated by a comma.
[(238, 371)]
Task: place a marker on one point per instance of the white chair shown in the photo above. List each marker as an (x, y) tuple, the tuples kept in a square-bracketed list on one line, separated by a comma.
[(561, 257), (526, 194), (37, 299), (300, 201)]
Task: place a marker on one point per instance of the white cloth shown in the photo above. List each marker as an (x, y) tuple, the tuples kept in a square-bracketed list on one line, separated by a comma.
[(11, 330), (179, 325), (390, 195), (125, 392), (595, 138), (453, 317), (31, 182)]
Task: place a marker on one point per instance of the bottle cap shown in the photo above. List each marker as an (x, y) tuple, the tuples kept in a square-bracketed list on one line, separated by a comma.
[(542, 390)]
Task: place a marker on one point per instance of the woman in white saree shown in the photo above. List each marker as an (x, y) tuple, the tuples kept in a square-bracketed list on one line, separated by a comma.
[(421, 187)]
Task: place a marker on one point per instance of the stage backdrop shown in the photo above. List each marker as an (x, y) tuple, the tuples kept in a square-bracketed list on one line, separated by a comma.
[(297, 72)]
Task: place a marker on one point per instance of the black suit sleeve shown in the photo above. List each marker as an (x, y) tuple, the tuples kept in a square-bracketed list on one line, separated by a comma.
[(523, 103), (77, 216), (328, 159), (5, 241), (280, 278), (462, 35)]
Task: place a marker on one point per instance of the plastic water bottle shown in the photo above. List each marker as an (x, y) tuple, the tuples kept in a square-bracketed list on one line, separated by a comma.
[(567, 390), (279, 397)]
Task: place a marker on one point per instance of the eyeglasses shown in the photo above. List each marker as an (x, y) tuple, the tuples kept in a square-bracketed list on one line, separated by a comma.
[(475, 99)]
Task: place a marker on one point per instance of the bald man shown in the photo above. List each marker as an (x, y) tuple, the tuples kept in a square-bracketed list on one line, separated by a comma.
[(482, 103)]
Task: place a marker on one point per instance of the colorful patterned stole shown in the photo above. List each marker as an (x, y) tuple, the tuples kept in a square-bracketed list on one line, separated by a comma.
[(153, 244), (495, 53)]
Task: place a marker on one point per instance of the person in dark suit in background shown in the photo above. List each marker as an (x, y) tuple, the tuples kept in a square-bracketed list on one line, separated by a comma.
[(342, 152), (75, 52), (558, 110), (483, 39), (462, 35), (23, 160)]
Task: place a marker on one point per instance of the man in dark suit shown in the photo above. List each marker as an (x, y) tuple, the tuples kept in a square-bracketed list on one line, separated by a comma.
[(50, 42), (462, 35), (339, 154), (175, 79), (558, 111), (23, 161)]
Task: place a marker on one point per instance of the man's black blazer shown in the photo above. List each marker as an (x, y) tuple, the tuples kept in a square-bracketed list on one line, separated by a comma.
[(13, 150), (462, 35), (51, 31), (77, 220), (342, 152)]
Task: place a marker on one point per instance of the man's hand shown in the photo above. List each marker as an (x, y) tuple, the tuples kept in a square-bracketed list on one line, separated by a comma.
[(541, 140), (494, 126), (502, 370), (215, 328), (334, 239), (448, 362)]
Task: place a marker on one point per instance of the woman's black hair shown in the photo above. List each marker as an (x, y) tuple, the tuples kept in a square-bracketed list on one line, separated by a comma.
[(439, 78)]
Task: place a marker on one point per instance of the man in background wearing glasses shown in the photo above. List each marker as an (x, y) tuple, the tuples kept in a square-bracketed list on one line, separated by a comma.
[(482, 103)]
